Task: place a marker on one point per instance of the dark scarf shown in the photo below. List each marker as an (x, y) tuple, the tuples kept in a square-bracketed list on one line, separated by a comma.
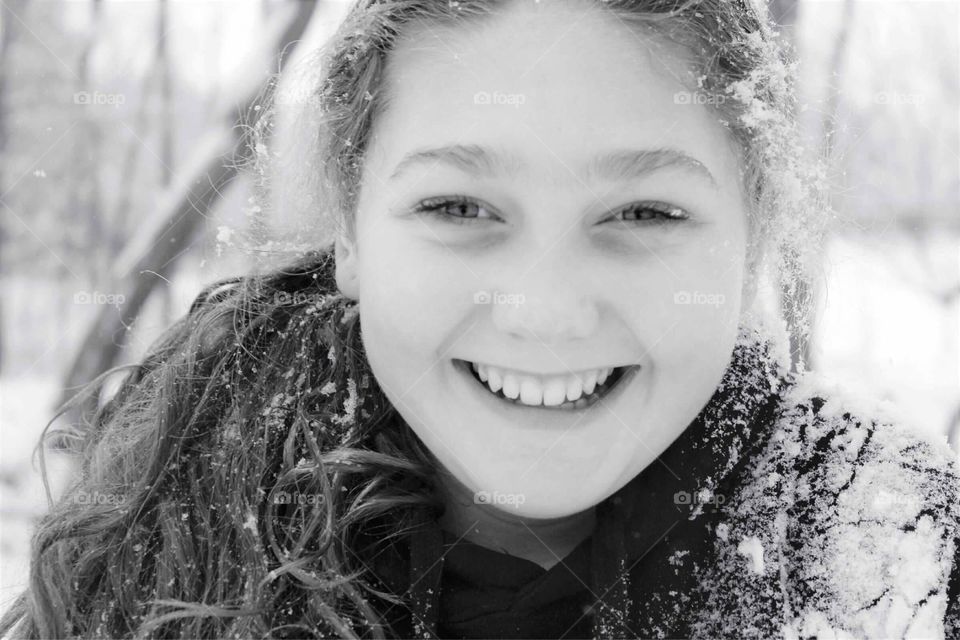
[(636, 573)]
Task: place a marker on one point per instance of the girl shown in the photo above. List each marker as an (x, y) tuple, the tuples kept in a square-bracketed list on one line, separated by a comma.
[(525, 392)]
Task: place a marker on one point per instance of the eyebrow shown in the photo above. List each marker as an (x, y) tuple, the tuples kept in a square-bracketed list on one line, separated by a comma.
[(620, 165)]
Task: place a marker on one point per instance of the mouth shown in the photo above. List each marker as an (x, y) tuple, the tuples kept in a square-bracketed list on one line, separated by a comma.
[(575, 391)]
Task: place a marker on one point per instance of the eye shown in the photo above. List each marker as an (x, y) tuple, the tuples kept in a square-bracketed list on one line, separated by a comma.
[(456, 209), (651, 213)]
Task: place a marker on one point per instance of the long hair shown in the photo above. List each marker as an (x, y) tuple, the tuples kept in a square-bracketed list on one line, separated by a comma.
[(224, 487)]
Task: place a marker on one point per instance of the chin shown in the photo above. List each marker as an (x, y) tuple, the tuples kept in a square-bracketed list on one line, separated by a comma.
[(543, 497)]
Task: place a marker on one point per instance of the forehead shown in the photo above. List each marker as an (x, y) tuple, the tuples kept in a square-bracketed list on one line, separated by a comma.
[(552, 82)]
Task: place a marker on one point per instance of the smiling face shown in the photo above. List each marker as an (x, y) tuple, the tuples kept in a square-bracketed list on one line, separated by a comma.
[(537, 201)]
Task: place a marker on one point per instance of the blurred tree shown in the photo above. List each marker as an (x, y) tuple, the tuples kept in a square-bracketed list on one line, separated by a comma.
[(40, 232), (8, 27), (153, 252), (129, 182), (166, 125), (84, 200)]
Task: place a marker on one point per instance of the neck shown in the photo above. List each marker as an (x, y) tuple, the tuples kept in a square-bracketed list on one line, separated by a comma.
[(544, 541)]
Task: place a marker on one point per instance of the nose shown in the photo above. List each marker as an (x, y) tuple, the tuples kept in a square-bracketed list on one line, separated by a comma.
[(547, 308)]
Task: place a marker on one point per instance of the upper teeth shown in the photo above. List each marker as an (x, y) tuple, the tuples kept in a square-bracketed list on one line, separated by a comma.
[(536, 390)]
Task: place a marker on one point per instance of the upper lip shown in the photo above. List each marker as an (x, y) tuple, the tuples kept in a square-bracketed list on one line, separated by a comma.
[(564, 372)]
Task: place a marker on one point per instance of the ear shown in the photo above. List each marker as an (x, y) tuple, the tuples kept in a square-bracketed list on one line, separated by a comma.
[(345, 253)]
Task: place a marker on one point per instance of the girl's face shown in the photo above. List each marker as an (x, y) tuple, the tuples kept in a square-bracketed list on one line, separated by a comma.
[(544, 198)]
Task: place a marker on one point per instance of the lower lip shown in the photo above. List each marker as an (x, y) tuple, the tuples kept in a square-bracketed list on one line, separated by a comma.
[(608, 395)]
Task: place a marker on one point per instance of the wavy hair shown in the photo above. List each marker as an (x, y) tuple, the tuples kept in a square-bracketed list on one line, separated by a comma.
[(223, 487), (224, 490)]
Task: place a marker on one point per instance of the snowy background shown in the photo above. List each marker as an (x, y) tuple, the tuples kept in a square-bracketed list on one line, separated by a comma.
[(87, 183)]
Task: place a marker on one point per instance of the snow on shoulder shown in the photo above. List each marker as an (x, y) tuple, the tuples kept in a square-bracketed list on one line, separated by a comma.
[(844, 524), (874, 508)]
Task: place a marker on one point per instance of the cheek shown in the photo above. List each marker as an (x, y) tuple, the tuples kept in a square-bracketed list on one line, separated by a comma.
[(710, 276), (688, 308), (705, 275), (409, 302)]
